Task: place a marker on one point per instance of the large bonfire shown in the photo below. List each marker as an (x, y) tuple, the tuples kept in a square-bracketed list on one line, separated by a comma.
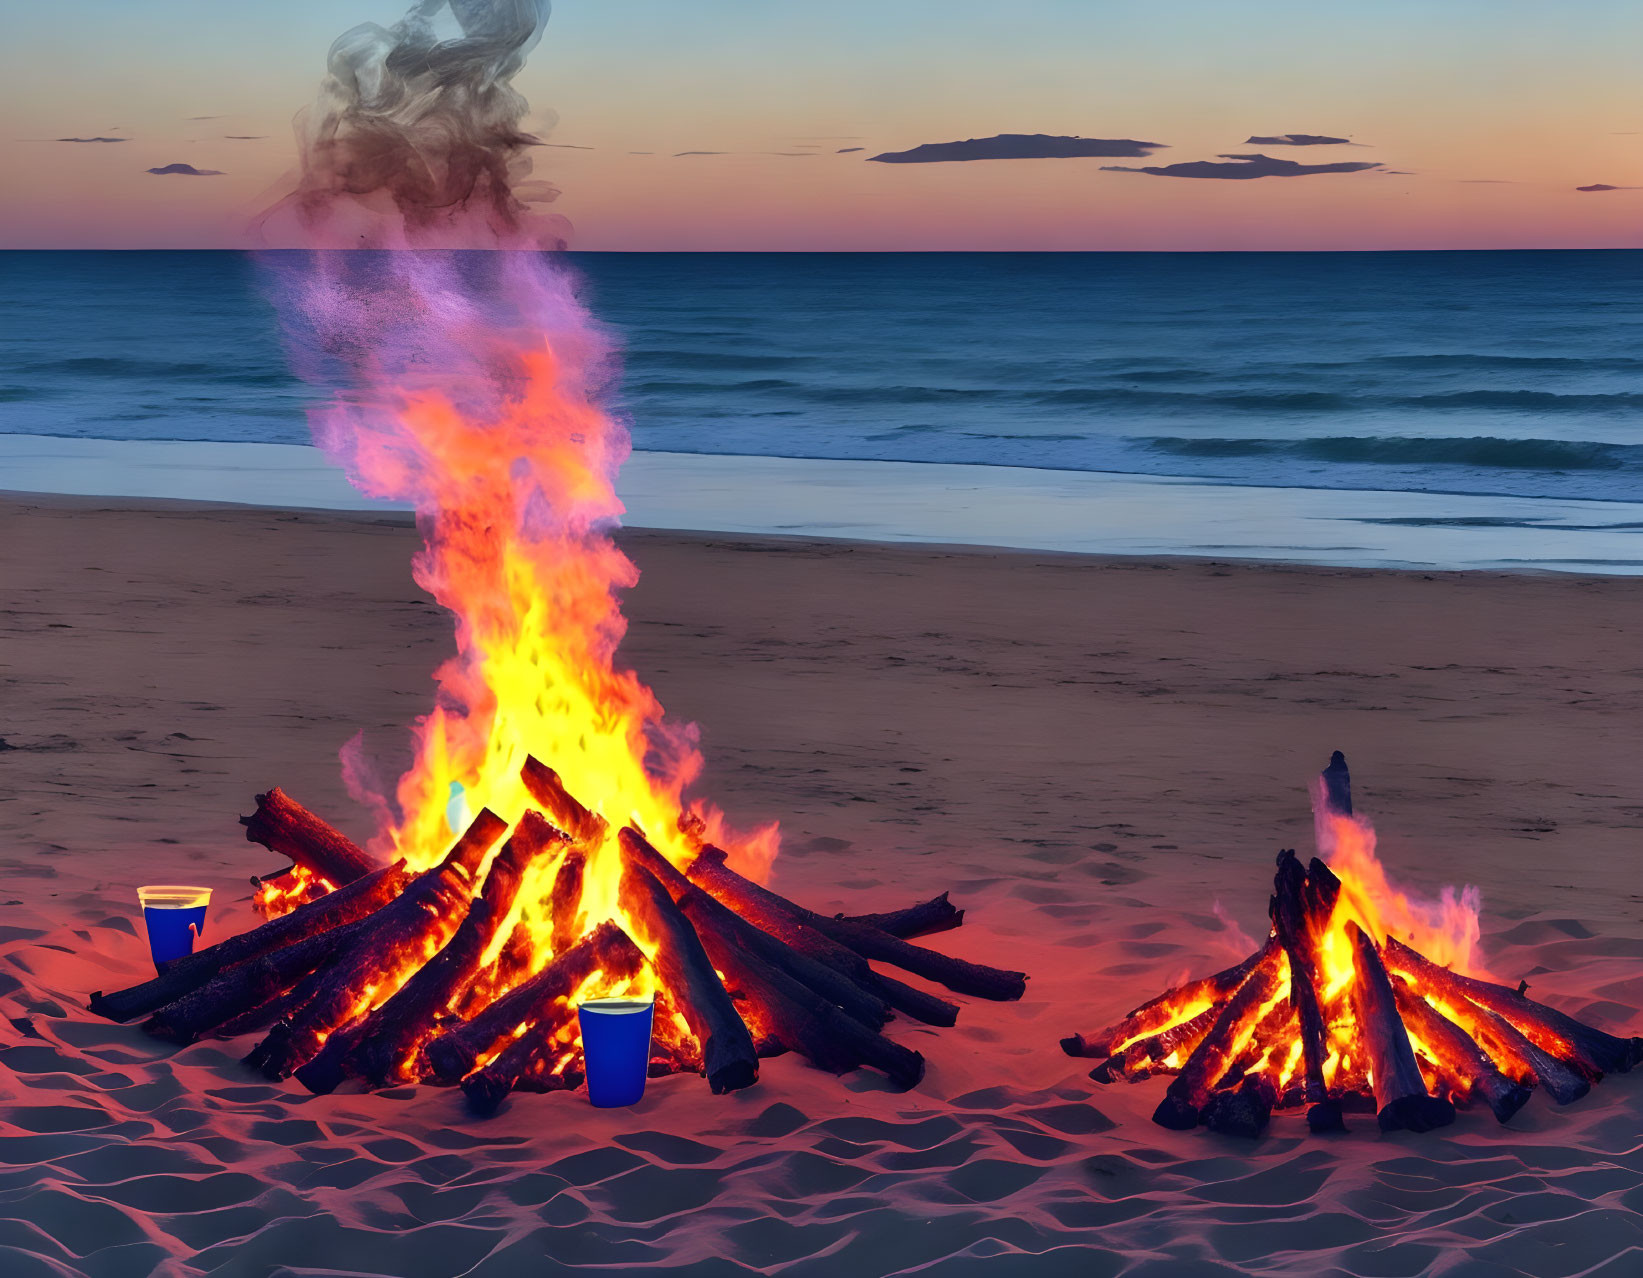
[(1362, 998), (542, 848)]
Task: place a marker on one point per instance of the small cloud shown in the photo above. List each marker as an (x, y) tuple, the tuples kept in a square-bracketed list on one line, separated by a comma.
[(641, 153), (1604, 186), (565, 146), (206, 117), (185, 170), (93, 139), (1300, 139), (1398, 172), (845, 150), (677, 154), (246, 137), (1018, 146), (1486, 181), (1242, 166)]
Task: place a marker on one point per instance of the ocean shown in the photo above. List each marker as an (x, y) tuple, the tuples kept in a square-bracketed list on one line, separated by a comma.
[(1499, 373)]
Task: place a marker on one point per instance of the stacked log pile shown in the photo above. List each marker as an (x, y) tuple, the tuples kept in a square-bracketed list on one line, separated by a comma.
[(388, 976)]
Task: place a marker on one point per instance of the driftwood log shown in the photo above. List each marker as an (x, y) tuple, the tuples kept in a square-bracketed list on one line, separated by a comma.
[(1299, 919), (1401, 1099)]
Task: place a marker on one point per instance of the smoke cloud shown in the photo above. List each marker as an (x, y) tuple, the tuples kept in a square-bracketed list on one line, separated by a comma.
[(416, 138)]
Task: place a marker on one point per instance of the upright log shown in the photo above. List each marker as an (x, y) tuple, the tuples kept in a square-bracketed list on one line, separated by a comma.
[(384, 954), (1590, 1050), (1401, 1098), (1461, 1054), (1157, 1015), (1190, 1089), (924, 919), (565, 901), (189, 973), (1298, 928), (283, 825), (1337, 785), (455, 1052), (728, 1058)]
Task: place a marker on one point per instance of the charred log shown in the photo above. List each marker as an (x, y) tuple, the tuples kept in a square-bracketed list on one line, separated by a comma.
[(388, 1037), (1244, 1110), (528, 1057), (455, 1052), (1190, 1089), (1151, 1053), (924, 919), (683, 967), (1401, 1098), (184, 975), (825, 981), (1590, 1050), (1299, 917), (1460, 1054), (283, 825), (395, 935), (565, 901), (587, 829), (1157, 1014)]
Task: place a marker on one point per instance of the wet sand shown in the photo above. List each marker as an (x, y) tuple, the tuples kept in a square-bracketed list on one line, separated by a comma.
[(1099, 757)]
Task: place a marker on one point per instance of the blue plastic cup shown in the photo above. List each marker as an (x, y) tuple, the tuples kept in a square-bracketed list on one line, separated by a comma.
[(616, 1048), (175, 915)]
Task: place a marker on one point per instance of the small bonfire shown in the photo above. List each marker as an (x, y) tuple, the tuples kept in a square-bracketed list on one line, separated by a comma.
[(467, 973), (1336, 1014)]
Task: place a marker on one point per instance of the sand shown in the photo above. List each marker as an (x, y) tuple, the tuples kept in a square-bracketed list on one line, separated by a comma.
[(1099, 757)]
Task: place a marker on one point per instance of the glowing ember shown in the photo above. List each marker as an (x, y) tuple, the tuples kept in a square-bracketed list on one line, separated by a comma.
[(1363, 997)]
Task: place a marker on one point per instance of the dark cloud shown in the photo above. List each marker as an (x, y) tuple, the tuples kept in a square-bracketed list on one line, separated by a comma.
[(1241, 166), (185, 170), (845, 150), (1300, 139), (93, 139), (1604, 186), (1018, 146)]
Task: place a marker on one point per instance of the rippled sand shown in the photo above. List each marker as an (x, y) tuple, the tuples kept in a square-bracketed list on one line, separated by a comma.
[(1098, 757)]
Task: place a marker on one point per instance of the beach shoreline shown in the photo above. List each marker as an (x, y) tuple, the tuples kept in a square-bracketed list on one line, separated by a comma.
[(932, 503), (1099, 759)]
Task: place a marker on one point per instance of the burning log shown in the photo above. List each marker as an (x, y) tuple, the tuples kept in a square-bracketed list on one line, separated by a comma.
[(250, 985), (1589, 1050), (1460, 1054), (1401, 1098), (1299, 918), (587, 829), (528, 1057), (1517, 1056), (924, 919), (607, 949), (387, 1038), (189, 973), (823, 980), (283, 825), (782, 919), (381, 954), (1190, 1089), (1144, 1056), (565, 901), (683, 967), (800, 1017), (1154, 1016)]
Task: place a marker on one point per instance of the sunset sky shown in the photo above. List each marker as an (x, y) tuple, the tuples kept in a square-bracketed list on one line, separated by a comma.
[(1483, 115)]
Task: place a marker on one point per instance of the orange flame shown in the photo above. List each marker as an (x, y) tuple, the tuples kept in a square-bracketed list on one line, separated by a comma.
[(470, 387)]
